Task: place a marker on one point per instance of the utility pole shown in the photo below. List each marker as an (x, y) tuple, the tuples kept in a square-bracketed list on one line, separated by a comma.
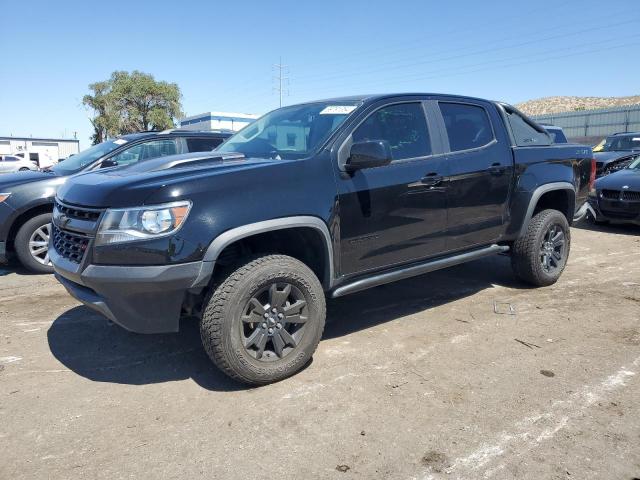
[(282, 79)]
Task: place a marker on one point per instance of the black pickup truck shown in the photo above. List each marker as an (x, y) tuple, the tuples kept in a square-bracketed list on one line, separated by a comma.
[(320, 199)]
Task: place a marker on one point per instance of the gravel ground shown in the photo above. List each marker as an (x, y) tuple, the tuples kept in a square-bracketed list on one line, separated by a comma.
[(421, 379)]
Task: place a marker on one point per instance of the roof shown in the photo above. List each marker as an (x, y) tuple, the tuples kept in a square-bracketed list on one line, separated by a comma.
[(179, 133), (625, 134), (382, 96), (37, 139), (239, 116)]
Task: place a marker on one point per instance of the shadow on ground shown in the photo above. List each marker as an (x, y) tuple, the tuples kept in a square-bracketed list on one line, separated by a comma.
[(92, 347), (15, 267), (615, 228)]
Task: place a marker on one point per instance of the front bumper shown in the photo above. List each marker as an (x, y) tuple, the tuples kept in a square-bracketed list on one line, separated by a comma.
[(141, 299), (6, 217), (614, 211)]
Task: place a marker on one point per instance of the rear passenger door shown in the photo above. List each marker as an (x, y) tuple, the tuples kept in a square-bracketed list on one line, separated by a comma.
[(480, 173)]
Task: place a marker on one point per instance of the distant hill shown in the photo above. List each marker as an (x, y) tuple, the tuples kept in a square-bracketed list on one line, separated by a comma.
[(569, 104)]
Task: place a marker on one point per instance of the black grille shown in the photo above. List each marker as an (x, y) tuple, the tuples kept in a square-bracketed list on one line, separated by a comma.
[(70, 245), (632, 196), (79, 213), (611, 194)]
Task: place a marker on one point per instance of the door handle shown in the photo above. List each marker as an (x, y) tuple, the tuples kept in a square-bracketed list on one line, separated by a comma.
[(431, 179), (497, 168)]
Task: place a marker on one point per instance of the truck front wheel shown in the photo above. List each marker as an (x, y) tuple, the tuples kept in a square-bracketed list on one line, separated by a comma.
[(264, 320), (540, 255)]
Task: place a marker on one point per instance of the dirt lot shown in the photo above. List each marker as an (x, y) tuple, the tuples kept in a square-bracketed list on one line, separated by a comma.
[(415, 380)]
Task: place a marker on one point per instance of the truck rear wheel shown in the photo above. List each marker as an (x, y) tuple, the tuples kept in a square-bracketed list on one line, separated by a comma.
[(264, 321), (540, 255)]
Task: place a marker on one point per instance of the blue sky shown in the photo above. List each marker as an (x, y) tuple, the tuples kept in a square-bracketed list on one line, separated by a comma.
[(221, 53)]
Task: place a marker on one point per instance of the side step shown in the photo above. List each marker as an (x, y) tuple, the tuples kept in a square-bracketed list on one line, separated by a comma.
[(416, 269)]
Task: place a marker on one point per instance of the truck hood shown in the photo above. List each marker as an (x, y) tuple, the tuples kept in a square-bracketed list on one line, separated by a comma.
[(607, 157), (627, 177), (11, 180), (132, 186)]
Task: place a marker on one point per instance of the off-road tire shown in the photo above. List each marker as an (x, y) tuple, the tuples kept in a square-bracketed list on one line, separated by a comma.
[(220, 327), (525, 254), (21, 244)]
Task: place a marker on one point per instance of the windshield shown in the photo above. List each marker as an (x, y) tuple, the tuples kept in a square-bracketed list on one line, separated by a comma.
[(622, 143), (86, 157), (635, 164), (290, 132)]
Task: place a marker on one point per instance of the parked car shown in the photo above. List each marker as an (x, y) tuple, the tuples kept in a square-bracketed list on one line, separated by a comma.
[(13, 164), (323, 198), (27, 197), (41, 159), (600, 145), (619, 150), (616, 197), (557, 134)]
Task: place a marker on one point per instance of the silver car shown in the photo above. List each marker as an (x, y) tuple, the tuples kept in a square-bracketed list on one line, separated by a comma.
[(13, 163)]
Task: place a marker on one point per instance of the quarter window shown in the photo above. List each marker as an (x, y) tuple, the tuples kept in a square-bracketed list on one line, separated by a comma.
[(468, 126), (524, 133), (403, 125)]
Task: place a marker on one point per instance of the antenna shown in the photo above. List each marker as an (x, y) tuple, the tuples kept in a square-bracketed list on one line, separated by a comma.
[(281, 79)]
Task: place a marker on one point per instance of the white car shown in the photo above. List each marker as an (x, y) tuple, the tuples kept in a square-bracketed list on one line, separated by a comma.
[(14, 163)]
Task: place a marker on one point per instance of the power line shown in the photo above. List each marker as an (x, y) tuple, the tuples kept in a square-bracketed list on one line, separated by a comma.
[(281, 79), (515, 64), (382, 67), (416, 43), (443, 72)]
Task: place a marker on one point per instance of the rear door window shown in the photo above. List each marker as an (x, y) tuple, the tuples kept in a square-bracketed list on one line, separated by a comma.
[(202, 144), (468, 126), (403, 125)]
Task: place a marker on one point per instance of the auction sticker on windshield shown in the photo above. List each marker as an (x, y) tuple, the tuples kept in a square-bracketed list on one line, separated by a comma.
[(338, 110)]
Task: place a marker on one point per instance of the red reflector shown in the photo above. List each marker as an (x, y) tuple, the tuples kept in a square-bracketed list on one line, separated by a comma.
[(592, 177)]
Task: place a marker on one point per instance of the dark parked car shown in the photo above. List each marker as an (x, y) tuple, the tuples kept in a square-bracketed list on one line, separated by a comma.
[(619, 151), (324, 198), (557, 134), (616, 197), (26, 199)]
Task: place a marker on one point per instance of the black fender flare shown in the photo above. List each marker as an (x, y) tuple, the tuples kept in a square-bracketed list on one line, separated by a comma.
[(537, 193), (230, 236)]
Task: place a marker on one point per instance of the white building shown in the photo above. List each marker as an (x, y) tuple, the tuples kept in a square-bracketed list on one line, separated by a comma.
[(41, 150), (218, 121)]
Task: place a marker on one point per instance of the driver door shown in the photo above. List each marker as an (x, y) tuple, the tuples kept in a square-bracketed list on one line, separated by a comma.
[(396, 213)]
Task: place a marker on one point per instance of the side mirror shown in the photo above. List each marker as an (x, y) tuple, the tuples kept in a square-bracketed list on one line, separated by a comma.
[(108, 163), (368, 154)]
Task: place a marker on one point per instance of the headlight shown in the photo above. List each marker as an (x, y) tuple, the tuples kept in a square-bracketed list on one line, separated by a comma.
[(127, 224), (4, 196)]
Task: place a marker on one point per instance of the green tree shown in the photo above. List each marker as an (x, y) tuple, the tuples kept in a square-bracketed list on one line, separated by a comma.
[(132, 102)]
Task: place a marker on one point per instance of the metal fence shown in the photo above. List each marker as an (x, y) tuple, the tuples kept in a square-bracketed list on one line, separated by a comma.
[(585, 125)]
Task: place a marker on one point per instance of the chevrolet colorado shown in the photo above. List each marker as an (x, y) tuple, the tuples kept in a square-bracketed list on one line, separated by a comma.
[(320, 199)]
